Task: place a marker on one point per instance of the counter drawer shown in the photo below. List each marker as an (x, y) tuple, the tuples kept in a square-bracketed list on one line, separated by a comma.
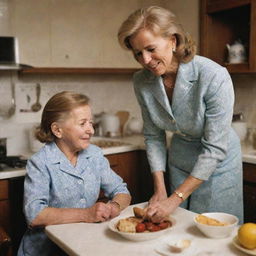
[(249, 203), (4, 191), (5, 215), (249, 172)]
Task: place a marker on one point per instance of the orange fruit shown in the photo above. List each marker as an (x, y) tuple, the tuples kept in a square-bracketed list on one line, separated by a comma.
[(247, 235)]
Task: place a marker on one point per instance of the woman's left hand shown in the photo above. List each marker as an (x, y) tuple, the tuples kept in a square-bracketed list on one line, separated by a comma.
[(159, 211)]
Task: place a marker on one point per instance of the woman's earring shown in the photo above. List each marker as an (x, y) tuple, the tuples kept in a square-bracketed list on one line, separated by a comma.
[(173, 49), (57, 134)]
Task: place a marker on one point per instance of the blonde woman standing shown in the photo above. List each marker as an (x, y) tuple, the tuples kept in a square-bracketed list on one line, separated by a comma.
[(192, 97)]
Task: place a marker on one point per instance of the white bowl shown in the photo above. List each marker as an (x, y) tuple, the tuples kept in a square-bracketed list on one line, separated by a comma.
[(218, 231), (139, 236)]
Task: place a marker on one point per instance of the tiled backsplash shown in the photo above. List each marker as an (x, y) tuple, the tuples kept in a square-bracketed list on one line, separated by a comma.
[(245, 102), (108, 93)]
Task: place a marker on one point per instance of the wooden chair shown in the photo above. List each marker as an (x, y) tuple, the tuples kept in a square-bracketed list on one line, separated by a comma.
[(5, 243)]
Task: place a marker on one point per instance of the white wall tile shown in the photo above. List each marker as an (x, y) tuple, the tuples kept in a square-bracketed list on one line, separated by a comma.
[(245, 92), (108, 93)]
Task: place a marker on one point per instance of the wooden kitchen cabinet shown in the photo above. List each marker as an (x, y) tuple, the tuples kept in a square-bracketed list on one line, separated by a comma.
[(134, 169), (223, 22), (71, 34), (4, 205), (249, 175), (5, 219), (30, 23), (83, 35), (18, 223), (11, 214)]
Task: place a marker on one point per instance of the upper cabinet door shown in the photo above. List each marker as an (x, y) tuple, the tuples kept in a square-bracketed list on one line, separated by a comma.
[(30, 23), (84, 34), (224, 22), (64, 33)]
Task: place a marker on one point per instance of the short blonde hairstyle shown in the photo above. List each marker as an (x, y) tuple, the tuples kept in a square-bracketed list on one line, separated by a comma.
[(161, 22), (58, 109)]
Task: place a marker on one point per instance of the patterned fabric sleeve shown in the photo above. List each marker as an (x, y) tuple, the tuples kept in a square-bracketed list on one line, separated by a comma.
[(219, 102), (36, 189)]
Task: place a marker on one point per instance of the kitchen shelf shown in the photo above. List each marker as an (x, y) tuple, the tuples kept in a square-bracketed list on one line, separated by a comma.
[(88, 71), (238, 68), (224, 22), (220, 5)]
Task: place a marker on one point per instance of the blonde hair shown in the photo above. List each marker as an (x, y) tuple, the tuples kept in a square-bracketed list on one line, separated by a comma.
[(57, 109), (161, 22)]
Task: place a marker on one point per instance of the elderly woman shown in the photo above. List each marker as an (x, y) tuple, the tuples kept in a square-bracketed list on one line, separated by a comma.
[(65, 177), (192, 97)]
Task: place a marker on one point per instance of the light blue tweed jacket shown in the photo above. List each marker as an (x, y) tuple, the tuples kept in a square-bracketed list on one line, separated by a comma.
[(200, 116), (204, 145)]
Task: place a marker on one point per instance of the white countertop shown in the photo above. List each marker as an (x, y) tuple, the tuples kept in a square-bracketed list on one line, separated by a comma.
[(134, 142), (90, 239)]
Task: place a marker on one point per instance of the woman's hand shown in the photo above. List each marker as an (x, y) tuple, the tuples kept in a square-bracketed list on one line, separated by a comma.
[(160, 210), (99, 212), (157, 211), (158, 196)]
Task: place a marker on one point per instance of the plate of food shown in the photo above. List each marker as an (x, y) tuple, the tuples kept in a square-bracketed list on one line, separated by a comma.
[(137, 228), (241, 248)]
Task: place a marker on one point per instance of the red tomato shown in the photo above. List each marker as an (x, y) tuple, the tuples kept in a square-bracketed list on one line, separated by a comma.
[(140, 227), (155, 228), (164, 225), (150, 226)]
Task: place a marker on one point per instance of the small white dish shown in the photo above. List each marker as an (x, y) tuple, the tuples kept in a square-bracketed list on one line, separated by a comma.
[(168, 247), (218, 231), (139, 236), (241, 248), (179, 245)]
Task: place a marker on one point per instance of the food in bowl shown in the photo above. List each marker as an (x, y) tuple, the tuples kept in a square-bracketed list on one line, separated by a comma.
[(137, 223), (128, 224), (209, 221), (247, 235), (139, 212), (217, 231), (140, 234)]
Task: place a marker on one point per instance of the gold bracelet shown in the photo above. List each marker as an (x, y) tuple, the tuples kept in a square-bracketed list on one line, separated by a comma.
[(180, 195)]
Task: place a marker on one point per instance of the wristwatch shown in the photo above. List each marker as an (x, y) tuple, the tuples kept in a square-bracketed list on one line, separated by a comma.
[(180, 195)]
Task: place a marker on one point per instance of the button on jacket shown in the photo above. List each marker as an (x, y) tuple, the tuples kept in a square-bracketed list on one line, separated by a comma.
[(52, 181), (203, 145)]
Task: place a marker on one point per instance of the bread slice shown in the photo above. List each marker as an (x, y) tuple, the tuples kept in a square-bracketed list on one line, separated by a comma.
[(139, 212), (128, 224)]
